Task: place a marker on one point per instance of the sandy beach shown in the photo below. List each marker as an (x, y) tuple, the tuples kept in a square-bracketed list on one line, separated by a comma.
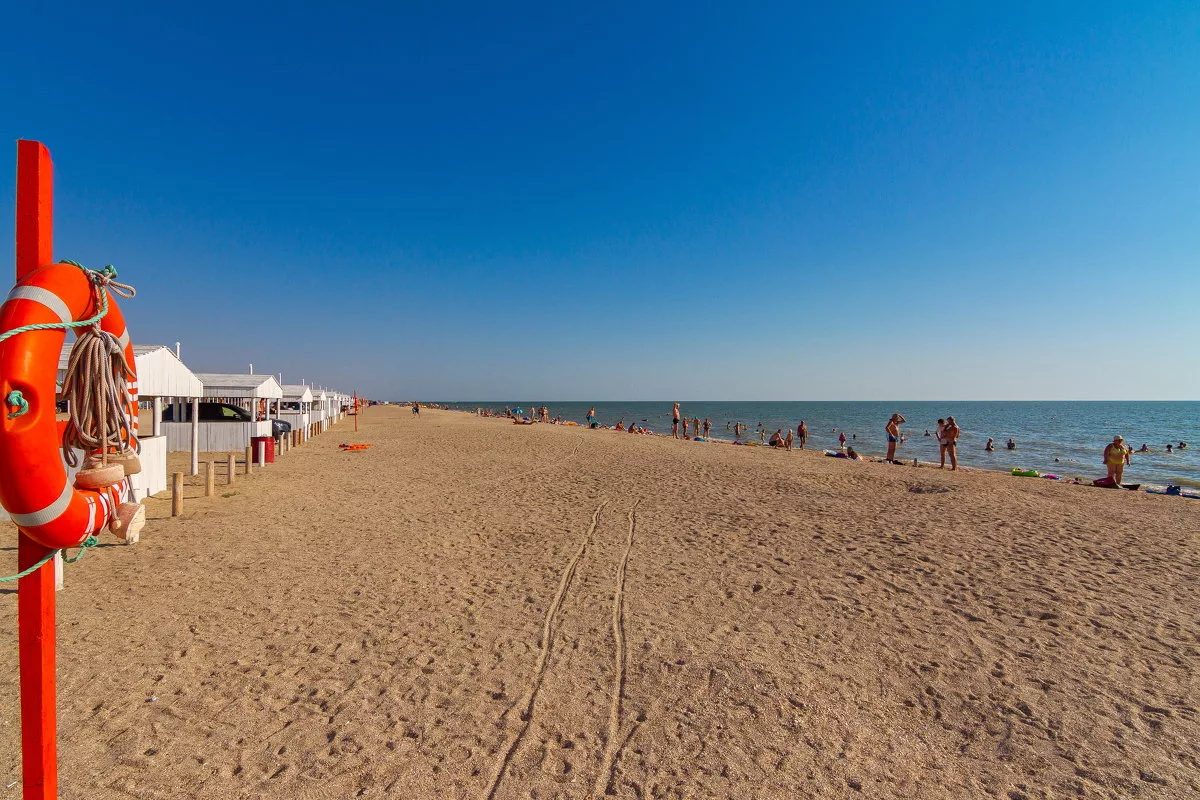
[(472, 609)]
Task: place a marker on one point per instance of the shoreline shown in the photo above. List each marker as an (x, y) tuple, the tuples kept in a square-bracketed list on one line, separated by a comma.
[(1076, 479), (1061, 437)]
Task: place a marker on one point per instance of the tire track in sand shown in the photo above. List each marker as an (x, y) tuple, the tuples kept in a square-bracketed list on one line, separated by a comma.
[(539, 670), (612, 747)]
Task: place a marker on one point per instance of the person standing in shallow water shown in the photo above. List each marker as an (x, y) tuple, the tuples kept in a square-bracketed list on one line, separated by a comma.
[(802, 433), (707, 427), (893, 435), (950, 443), (1116, 458)]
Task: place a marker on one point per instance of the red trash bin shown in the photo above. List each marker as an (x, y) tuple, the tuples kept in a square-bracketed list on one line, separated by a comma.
[(268, 448)]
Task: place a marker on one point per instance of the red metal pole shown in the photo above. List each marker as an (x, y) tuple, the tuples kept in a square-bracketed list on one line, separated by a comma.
[(35, 593)]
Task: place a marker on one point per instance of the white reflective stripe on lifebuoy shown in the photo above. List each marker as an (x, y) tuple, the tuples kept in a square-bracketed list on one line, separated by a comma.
[(123, 339), (45, 297), (47, 514)]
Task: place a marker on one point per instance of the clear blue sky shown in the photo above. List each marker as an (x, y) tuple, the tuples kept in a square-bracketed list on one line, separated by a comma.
[(636, 200)]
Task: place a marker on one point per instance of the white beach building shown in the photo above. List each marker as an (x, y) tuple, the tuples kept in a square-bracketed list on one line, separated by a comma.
[(257, 394), (297, 401), (163, 378)]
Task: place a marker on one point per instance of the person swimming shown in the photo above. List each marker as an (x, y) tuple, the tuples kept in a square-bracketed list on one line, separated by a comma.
[(991, 444), (1011, 445)]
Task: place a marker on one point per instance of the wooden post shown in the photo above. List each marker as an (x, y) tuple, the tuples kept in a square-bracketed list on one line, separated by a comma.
[(195, 435), (35, 592), (210, 478), (232, 468), (176, 494), (249, 458)]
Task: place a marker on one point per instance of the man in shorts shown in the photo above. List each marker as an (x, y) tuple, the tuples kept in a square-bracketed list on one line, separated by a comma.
[(893, 435), (675, 422)]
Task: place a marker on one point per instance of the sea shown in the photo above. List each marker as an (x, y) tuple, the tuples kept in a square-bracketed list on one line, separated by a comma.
[(1065, 438)]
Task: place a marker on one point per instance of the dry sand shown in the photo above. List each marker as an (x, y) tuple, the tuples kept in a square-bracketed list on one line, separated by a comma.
[(447, 614)]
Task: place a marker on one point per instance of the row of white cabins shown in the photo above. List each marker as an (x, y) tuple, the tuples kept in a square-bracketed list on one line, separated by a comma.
[(165, 381)]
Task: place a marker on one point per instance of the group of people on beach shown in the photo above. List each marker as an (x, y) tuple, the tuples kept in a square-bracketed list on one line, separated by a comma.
[(947, 434), (695, 423)]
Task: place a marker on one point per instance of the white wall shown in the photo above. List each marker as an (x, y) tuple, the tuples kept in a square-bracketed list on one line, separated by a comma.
[(153, 477), (215, 437), (296, 418)]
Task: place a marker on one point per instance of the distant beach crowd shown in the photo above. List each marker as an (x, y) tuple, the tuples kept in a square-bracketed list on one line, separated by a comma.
[(1115, 456)]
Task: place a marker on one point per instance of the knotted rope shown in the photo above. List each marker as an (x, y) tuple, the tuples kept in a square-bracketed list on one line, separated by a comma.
[(84, 546), (96, 387)]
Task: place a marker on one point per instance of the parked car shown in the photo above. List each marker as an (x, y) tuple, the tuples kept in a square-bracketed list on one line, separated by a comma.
[(225, 412)]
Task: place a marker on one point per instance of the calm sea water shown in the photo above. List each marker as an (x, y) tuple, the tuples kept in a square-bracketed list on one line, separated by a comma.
[(1066, 438)]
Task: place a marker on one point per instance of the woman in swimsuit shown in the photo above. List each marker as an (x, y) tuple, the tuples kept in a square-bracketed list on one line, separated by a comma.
[(1116, 456)]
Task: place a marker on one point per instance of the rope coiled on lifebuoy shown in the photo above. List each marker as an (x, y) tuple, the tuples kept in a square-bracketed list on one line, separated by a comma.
[(96, 387)]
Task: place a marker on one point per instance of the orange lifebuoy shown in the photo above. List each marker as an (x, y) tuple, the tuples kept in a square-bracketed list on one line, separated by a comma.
[(35, 490)]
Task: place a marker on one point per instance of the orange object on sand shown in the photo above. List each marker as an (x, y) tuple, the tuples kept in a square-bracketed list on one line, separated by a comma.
[(350, 447), (35, 490)]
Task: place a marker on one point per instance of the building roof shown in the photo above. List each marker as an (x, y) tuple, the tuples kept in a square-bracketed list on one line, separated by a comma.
[(221, 384), (160, 372), (297, 393)]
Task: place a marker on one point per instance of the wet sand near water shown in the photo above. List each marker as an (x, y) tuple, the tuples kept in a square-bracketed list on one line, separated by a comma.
[(452, 613)]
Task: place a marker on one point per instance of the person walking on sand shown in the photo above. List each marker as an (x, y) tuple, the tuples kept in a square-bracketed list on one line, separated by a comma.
[(802, 433), (893, 435), (591, 416), (842, 440), (787, 441), (675, 422), (950, 443), (416, 409), (1116, 457)]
